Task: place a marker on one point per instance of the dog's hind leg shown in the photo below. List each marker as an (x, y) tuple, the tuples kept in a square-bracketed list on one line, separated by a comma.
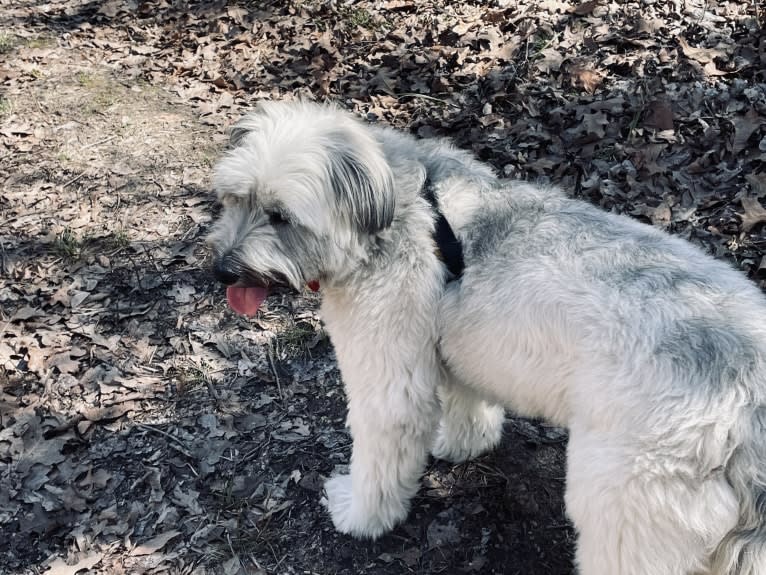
[(639, 515), (469, 426)]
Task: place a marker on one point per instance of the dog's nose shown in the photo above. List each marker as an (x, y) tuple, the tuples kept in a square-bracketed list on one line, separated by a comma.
[(225, 271)]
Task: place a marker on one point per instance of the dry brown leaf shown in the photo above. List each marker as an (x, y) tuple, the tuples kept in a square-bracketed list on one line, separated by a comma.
[(648, 25), (744, 127), (401, 5), (660, 216), (60, 567), (754, 214), (64, 363), (77, 297), (586, 78), (237, 13), (155, 543), (710, 69), (111, 8), (26, 313), (660, 115), (595, 124), (701, 55), (551, 60), (585, 8), (757, 183)]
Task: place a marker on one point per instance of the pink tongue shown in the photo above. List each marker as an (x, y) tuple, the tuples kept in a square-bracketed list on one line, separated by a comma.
[(246, 300)]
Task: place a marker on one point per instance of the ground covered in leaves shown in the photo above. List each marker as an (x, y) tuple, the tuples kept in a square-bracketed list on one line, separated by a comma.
[(146, 429)]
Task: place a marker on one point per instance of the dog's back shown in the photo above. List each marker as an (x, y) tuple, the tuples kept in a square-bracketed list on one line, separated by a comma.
[(618, 330)]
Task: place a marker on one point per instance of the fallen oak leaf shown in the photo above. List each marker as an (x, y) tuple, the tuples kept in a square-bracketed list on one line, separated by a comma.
[(89, 331), (585, 8), (660, 115), (155, 543), (744, 127), (16, 130), (660, 216), (710, 69), (701, 55), (550, 60), (26, 313), (586, 78), (757, 183), (595, 124), (59, 566), (754, 214), (102, 415), (64, 363)]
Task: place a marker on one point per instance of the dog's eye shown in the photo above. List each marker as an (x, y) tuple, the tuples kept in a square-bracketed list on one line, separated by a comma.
[(276, 218), (229, 201)]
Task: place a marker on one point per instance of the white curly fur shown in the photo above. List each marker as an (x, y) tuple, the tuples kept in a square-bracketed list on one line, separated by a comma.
[(652, 353)]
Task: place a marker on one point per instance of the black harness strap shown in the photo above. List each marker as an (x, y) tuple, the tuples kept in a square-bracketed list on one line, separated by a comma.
[(450, 249)]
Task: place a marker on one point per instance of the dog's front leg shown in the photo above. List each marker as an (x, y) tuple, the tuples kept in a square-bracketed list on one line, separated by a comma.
[(393, 413)]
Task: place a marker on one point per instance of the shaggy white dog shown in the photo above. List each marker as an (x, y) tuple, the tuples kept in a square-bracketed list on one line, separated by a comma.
[(652, 353)]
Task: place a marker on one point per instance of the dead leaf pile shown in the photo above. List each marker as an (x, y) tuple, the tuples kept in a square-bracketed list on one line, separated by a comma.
[(146, 429)]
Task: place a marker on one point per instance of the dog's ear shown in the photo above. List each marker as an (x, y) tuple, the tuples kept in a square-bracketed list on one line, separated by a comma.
[(362, 180), (251, 122), (242, 128)]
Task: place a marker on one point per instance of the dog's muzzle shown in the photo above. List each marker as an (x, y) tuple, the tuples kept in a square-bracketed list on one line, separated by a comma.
[(227, 270)]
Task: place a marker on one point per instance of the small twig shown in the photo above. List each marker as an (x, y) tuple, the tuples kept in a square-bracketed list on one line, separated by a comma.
[(231, 548), (2, 257), (702, 14), (158, 184), (526, 50), (254, 561), (180, 445), (104, 141), (39, 106), (270, 355), (425, 97), (73, 180), (280, 561), (211, 390)]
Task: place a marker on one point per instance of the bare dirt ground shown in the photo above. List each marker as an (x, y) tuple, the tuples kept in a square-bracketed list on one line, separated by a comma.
[(144, 428)]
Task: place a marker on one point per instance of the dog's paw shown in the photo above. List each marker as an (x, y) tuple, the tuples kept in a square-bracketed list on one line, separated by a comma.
[(353, 517), (459, 441)]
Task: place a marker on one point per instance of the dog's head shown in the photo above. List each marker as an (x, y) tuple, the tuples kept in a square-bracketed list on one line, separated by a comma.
[(304, 188)]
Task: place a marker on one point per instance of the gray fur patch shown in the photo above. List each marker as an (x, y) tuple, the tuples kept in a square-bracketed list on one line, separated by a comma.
[(368, 197), (712, 355)]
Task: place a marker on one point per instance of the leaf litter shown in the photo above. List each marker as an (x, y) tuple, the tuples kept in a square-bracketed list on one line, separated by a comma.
[(146, 429)]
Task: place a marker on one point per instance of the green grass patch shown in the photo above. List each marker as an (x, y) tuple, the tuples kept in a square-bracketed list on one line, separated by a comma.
[(102, 91), (68, 245), (360, 18), (40, 42), (7, 42), (296, 339), (85, 79), (6, 107), (189, 378), (119, 240)]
